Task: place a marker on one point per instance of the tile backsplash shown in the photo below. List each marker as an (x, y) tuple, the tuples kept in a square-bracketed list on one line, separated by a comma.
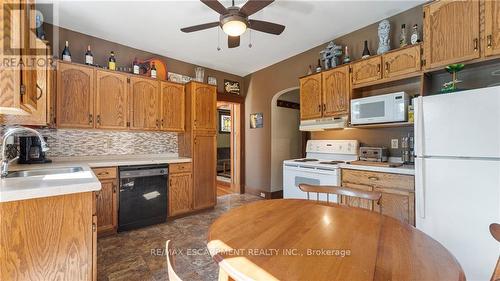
[(76, 142)]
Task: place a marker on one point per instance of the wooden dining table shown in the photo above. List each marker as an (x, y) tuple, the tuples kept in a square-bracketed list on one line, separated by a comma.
[(288, 239)]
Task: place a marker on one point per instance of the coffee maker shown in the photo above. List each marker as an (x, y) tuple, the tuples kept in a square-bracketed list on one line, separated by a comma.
[(31, 151)]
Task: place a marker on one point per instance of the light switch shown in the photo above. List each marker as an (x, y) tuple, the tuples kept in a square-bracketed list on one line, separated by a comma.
[(394, 143)]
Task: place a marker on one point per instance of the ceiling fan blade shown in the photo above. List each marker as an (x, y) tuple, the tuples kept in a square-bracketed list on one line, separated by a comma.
[(200, 27), (267, 27), (233, 41), (253, 6), (215, 5)]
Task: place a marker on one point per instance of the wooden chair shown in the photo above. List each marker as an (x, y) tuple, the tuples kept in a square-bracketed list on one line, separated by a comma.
[(495, 232), (340, 191), (172, 276)]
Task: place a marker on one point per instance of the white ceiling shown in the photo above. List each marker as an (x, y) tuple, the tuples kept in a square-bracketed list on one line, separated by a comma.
[(154, 26)]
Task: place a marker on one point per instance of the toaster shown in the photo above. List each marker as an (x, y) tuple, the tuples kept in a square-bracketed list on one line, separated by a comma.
[(376, 154)]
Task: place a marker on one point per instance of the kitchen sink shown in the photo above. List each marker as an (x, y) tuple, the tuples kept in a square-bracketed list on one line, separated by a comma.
[(43, 172)]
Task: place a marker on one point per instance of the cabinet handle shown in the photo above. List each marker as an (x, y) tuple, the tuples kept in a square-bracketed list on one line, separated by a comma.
[(387, 67), (103, 174), (378, 68), (319, 107), (114, 188), (94, 227), (41, 92), (324, 107), (91, 119), (99, 119), (162, 122), (373, 178), (489, 41), (476, 42)]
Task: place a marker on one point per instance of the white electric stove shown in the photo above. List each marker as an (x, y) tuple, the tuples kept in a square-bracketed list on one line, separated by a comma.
[(320, 167)]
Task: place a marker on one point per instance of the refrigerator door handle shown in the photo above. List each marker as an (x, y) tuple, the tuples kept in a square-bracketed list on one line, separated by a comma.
[(419, 127), (420, 187)]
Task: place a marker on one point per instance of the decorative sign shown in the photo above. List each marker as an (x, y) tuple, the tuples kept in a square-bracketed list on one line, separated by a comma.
[(224, 122), (231, 87), (256, 121)]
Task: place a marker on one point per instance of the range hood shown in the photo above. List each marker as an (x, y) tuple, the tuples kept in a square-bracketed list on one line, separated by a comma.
[(323, 124)]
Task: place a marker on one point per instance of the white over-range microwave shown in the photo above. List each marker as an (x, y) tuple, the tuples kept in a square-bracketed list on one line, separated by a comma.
[(380, 109)]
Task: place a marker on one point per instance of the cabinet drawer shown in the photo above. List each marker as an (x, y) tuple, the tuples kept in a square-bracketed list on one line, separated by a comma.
[(105, 173), (179, 168), (377, 179)]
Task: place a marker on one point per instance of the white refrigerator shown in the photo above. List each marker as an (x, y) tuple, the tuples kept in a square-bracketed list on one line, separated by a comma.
[(457, 175)]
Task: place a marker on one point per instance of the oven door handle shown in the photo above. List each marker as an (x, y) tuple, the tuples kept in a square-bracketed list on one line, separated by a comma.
[(311, 170)]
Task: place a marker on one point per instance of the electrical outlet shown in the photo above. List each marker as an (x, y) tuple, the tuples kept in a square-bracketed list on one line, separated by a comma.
[(263, 195), (394, 143)]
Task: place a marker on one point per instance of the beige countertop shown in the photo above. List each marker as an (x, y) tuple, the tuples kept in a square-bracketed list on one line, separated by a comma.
[(404, 170), (13, 189)]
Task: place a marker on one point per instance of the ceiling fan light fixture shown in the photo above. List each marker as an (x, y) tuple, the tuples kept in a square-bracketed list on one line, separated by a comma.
[(234, 27)]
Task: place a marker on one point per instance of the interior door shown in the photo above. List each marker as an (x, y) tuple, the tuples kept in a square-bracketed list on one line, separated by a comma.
[(457, 200), (144, 104), (204, 107), (492, 27), (172, 107), (451, 32), (310, 97), (75, 96), (204, 171), (336, 91), (111, 100)]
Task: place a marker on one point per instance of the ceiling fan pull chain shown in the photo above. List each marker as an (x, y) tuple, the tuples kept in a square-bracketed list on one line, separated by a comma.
[(250, 34), (218, 39)]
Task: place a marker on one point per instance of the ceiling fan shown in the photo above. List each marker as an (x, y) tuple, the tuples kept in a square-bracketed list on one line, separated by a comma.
[(234, 20)]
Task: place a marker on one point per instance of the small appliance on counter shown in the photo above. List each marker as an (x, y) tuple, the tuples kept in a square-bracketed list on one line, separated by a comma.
[(374, 154), (30, 151)]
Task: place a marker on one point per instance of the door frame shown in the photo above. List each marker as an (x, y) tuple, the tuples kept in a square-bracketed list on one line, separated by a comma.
[(235, 99)]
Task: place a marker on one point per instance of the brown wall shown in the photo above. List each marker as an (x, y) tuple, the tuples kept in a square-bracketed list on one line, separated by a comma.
[(125, 55), (262, 85)]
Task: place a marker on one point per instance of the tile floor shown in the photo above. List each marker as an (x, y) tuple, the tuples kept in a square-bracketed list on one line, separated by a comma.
[(138, 255)]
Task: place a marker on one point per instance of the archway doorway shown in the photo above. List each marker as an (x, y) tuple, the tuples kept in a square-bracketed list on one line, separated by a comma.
[(286, 139)]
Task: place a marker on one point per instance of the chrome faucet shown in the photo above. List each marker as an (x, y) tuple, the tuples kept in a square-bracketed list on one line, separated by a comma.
[(4, 169)]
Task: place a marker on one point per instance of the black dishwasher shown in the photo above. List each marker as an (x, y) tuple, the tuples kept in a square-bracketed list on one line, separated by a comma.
[(143, 196)]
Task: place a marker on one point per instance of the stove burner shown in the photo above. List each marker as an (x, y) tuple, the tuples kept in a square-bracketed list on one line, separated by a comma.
[(306, 160), (332, 162)]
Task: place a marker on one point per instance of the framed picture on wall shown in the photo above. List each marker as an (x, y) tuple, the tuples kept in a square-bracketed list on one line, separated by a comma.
[(256, 121), (224, 122)]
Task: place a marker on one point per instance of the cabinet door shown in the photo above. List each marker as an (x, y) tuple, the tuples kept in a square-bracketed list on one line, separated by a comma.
[(492, 28), (357, 202), (310, 97), (10, 82), (179, 194), (172, 107), (451, 32), (29, 86), (144, 104), (204, 171), (367, 70), (336, 91), (75, 96), (204, 107), (111, 100), (398, 204), (107, 207), (405, 61)]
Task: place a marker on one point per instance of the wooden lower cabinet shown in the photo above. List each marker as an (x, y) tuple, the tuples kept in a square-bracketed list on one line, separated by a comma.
[(357, 202), (204, 171), (49, 238), (398, 192), (180, 191), (107, 201)]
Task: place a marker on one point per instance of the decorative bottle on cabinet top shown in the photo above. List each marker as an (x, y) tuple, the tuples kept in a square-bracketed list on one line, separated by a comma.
[(366, 52)]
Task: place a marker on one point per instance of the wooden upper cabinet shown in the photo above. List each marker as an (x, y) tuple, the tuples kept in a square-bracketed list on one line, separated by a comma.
[(204, 107), (144, 104), (10, 82), (204, 170), (30, 90), (401, 62), (310, 97), (451, 32), (492, 28), (172, 107), (336, 91), (111, 100), (75, 96), (367, 70)]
